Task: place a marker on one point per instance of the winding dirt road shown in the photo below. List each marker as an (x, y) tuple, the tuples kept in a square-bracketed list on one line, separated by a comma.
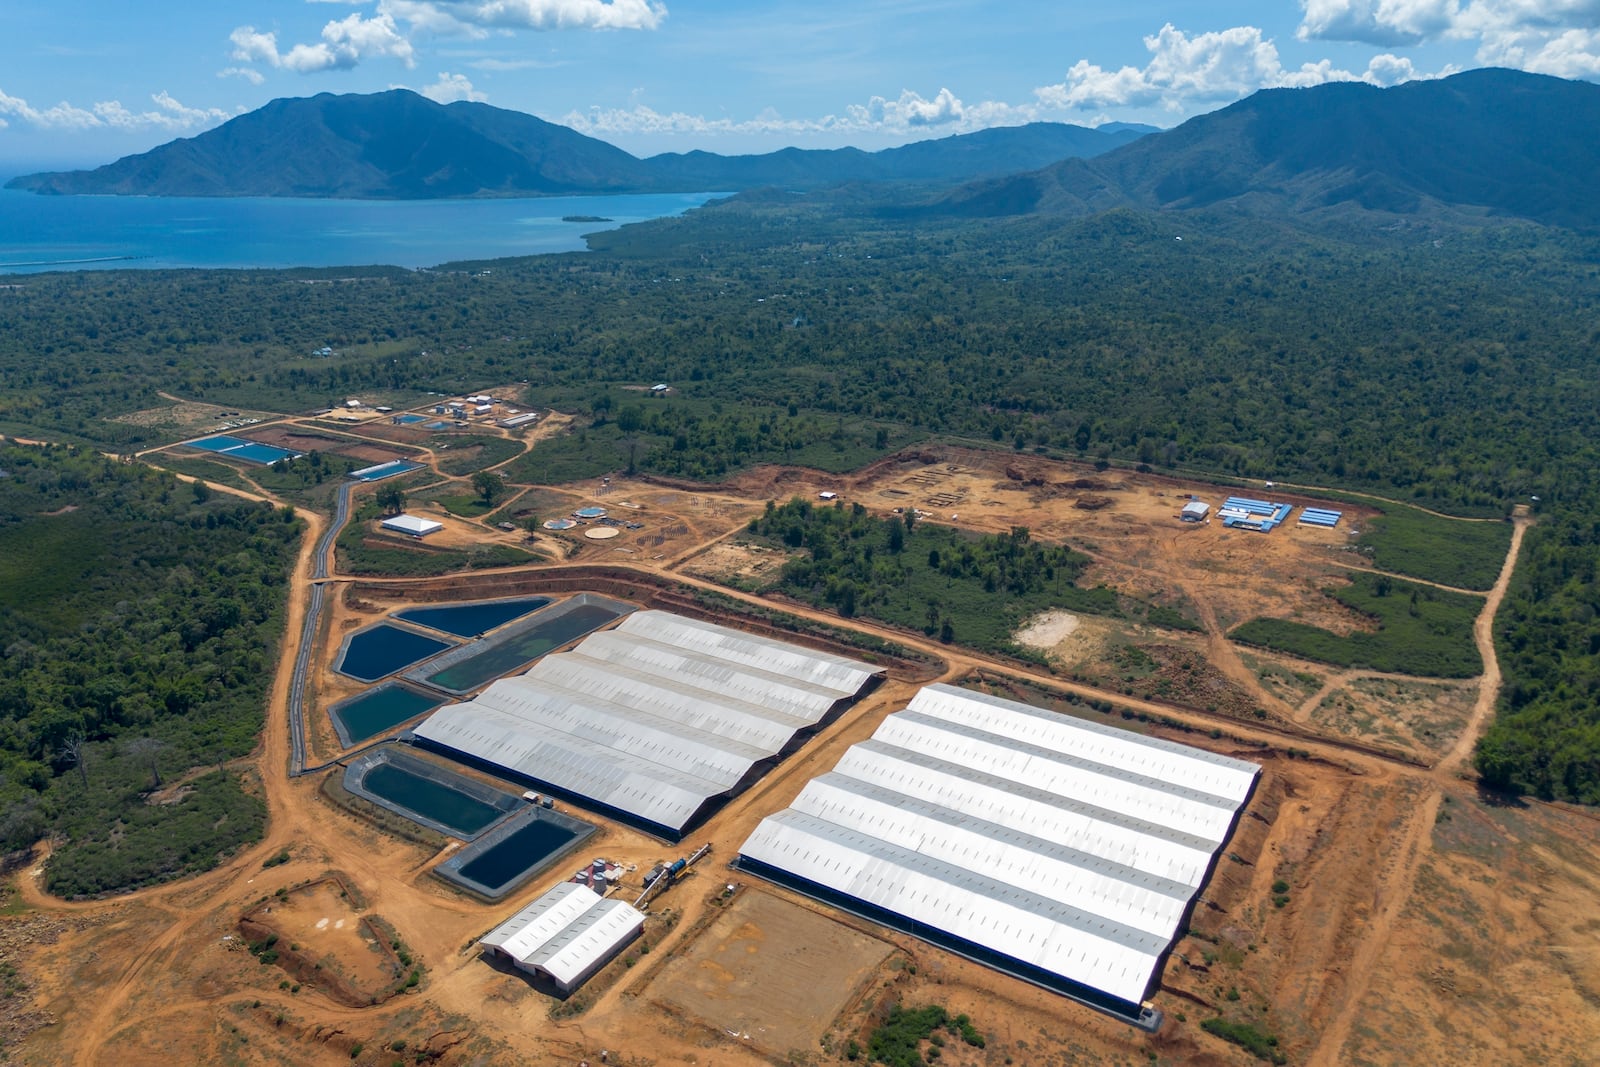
[(297, 821)]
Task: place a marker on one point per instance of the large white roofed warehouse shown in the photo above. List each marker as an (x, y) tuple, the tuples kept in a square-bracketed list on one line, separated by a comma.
[(1061, 851)]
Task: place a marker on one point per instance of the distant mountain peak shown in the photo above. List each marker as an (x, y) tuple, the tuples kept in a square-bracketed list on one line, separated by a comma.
[(398, 144), (1489, 142)]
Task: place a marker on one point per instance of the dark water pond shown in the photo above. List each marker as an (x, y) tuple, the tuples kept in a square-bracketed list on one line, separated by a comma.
[(471, 620), (502, 657), (384, 649), (519, 852), (431, 799), (376, 710)]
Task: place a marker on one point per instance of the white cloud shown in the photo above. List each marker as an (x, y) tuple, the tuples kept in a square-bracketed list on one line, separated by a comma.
[(1560, 37), (249, 74), (169, 114), (1183, 70), (450, 88), (911, 109), (548, 14), (1387, 23), (1186, 73), (252, 46), (348, 41), (514, 64), (345, 43), (908, 113)]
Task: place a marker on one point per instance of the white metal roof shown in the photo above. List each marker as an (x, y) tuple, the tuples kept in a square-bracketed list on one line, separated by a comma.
[(644, 725), (1135, 898), (1221, 776), (836, 674), (619, 780), (1055, 842), (764, 728), (700, 752), (414, 525), (706, 672), (1097, 831), (1007, 917), (567, 932)]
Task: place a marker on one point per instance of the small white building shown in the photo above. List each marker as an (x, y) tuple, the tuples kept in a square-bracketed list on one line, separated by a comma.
[(1195, 511), (412, 525), (566, 935)]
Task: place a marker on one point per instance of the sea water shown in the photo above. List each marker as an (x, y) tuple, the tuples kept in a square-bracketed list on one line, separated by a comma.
[(40, 233)]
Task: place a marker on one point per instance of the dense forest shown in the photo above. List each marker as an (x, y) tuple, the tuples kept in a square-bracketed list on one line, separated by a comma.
[(1452, 367), (139, 621)]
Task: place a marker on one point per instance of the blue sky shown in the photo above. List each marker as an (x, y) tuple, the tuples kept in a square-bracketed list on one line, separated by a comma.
[(86, 81)]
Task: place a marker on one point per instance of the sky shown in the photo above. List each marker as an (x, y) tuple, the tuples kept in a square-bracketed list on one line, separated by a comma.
[(87, 81)]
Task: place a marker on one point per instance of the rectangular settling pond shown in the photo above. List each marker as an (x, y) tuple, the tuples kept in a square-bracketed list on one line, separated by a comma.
[(377, 710), (472, 619), (427, 793), (470, 666), (378, 651), (515, 851)]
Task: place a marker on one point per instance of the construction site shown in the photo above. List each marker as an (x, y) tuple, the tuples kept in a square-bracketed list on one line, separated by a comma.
[(615, 804)]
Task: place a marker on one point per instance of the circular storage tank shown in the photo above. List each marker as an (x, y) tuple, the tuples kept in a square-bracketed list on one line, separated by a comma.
[(559, 524), (590, 513), (602, 533)]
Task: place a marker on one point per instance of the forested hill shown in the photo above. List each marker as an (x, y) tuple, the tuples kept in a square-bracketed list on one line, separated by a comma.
[(1486, 142), (399, 145)]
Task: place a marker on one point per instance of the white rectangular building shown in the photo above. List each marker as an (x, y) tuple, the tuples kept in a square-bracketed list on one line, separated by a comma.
[(412, 525), (1062, 851), (655, 722), (566, 935)]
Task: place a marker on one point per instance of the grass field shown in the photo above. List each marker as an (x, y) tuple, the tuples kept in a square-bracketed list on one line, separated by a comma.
[(1467, 555), (1421, 630)]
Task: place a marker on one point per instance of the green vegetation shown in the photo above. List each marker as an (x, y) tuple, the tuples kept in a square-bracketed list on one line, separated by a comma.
[(871, 644), (407, 560), (467, 454), (468, 507), (1467, 555), (139, 619), (975, 590), (1421, 630), (208, 469), (801, 329), (898, 1042), (1257, 1042)]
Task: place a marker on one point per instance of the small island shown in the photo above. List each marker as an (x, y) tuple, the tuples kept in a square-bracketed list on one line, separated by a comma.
[(586, 218)]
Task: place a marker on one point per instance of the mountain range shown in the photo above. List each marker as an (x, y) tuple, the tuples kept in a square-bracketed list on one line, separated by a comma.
[(1486, 143), (399, 145)]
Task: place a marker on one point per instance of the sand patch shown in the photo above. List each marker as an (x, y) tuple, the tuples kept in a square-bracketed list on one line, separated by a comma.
[(1047, 630)]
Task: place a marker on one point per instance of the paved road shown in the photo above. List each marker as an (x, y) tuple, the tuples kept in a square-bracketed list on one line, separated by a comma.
[(321, 557), (297, 684)]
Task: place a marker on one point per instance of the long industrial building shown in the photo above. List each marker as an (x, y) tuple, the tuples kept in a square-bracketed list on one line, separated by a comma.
[(565, 935), (655, 722), (1061, 851)]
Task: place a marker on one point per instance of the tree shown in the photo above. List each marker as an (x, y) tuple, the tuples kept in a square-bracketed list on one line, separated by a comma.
[(148, 749), (392, 499), (490, 486), (202, 491), (72, 751)]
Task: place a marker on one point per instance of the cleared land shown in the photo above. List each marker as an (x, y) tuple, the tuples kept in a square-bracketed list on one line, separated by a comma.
[(775, 974), (1371, 906)]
